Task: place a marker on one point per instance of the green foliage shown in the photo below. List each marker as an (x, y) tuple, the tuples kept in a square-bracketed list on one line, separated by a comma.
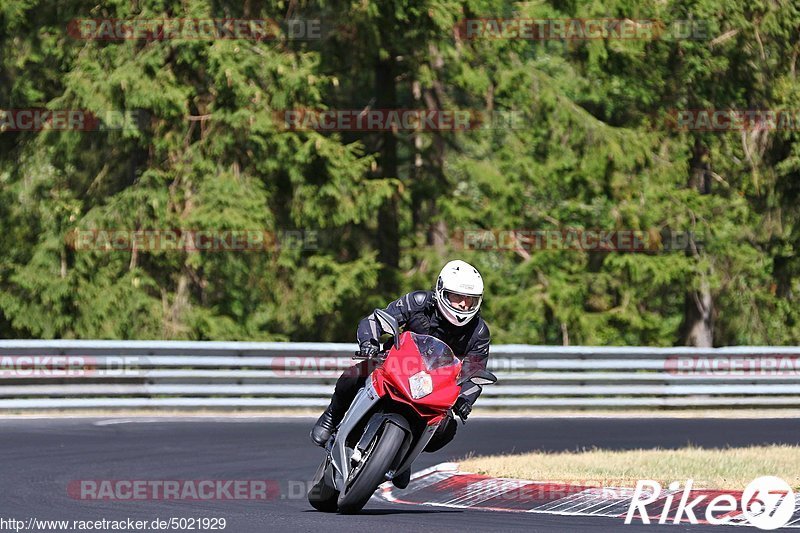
[(593, 148)]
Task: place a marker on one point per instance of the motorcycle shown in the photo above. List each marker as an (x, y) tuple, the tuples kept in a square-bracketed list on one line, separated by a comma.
[(391, 420)]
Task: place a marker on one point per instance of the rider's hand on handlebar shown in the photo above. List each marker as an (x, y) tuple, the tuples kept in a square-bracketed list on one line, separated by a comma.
[(462, 408), (368, 350)]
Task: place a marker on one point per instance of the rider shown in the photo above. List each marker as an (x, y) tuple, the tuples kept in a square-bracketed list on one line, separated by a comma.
[(450, 313)]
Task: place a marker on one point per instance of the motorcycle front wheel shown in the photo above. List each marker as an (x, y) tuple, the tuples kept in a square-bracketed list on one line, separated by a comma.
[(371, 471)]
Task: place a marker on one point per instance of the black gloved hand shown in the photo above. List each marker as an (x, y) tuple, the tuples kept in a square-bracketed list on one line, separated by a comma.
[(462, 408), (368, 350), (419, 323)]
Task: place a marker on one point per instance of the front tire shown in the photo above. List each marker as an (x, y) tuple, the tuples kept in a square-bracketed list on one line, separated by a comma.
[(373, 472)]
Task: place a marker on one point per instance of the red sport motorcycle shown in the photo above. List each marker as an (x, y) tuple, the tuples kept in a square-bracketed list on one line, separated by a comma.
[(391, 419)]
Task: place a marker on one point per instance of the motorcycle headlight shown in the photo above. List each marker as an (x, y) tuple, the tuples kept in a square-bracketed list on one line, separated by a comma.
[(421, 385)]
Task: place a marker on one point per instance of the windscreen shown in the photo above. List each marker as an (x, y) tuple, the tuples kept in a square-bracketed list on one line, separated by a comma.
[(434, 352)]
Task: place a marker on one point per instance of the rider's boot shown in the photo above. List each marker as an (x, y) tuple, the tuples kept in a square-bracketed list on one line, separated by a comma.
[(347, 387), (328, 421), (401, 480)]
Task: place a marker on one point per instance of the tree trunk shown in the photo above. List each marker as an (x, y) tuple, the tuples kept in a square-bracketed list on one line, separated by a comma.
[(388, 237), (437, 232), (418, 217), (698, 317)]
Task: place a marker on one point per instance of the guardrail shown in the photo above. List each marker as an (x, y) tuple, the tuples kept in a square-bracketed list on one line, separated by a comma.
[(143, 374)]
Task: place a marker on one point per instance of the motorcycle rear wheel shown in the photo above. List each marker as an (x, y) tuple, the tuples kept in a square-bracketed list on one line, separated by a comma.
[(372, 473), (322, 496)]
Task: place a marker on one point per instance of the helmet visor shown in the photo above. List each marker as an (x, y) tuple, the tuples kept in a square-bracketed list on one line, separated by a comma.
[(463, 303)]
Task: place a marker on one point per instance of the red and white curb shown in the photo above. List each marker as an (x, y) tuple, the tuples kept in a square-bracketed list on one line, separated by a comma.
[(444, 485)]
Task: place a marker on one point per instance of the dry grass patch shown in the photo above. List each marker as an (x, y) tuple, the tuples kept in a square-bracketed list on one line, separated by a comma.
[(493, 412), (729, 468)]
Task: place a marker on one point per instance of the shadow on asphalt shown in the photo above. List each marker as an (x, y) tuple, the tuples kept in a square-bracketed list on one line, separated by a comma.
[(382, 512)]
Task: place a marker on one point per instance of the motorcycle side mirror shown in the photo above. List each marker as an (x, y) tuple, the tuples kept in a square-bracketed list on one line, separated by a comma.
[(388, 324), (481, 377), (484, 380)]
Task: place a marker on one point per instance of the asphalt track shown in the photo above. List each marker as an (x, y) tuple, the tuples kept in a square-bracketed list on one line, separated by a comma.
[(42, 456)]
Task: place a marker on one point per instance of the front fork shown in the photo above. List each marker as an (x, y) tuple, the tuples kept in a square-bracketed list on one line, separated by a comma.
[(426, 436)]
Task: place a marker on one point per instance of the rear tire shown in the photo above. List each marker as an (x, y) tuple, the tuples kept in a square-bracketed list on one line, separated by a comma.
[(322, 496), (373, 472)]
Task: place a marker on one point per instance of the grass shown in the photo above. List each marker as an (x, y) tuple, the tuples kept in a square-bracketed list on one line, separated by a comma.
[(729, 468), (759, 413)]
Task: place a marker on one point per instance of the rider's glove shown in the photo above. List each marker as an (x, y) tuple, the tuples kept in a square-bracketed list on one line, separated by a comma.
[(368, 350), (462, 408), (419, 323)]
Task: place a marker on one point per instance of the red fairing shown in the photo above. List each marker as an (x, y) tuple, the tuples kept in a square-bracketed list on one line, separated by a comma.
[(392, 378)]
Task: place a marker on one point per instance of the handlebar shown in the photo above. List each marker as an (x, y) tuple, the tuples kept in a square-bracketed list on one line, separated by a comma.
[(378, 355)]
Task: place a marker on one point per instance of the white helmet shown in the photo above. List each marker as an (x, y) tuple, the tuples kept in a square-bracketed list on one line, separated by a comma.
[(459, 292)]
